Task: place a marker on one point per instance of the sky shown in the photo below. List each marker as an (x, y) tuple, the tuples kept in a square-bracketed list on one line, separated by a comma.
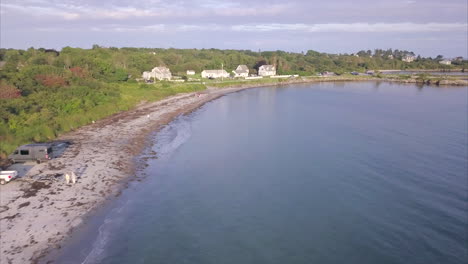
[(427, 27)]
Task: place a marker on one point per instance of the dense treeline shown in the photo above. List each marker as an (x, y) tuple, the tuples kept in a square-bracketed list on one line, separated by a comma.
[(114, 64), (46, 92)]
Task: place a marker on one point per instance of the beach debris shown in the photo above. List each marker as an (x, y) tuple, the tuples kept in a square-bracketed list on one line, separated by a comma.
[(73, 177), (32, 190), (70, 176)]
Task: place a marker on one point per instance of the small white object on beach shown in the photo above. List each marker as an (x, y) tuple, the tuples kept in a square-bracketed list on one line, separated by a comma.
[(148, 116), (73, 177), (70, 176)]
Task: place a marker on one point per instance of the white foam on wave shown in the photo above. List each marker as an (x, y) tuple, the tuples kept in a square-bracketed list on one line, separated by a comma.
[(168, 139), (112, 222), (172, 136)]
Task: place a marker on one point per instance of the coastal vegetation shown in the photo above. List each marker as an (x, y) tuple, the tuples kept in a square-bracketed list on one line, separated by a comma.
[(45, 92)]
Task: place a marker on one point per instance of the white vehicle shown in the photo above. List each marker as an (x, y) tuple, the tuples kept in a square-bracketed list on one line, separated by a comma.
[(6, 176)]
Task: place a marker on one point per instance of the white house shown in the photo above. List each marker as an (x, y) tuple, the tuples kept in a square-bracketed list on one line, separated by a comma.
[(241, 71), (408, 58), (214, 74), (190, 72), (160, 73), (147, 75), (267, 70), (445, 62)]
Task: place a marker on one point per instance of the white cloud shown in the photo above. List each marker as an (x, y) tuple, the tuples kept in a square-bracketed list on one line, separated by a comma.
[(42, 11), (305, 28), (72, 11), (124, 28), (354, 27)]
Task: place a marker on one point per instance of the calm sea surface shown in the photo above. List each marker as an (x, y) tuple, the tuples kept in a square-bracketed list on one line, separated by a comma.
[(453, 73), (318, 173)]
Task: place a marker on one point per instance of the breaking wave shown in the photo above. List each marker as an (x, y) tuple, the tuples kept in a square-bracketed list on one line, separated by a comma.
[(112, 222), (172, 136), (168, 139)]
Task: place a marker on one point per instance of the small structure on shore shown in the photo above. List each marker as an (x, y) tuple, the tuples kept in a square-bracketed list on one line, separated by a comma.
[(267, 70), (190, 72), (160, 73), (408, 58), (214, 74), (327, 74), (445, 62), (241, 71)]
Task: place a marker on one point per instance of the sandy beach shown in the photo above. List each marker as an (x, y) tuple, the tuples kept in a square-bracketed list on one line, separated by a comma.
[(39, 210)]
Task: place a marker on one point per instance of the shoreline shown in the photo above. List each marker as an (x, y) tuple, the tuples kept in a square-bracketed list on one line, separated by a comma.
[(39, 211), (434, 81), (34, 223), (425, 70)]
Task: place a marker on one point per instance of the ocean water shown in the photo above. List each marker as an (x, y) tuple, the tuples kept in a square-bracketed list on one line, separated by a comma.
[(451, 73), (318, 173)]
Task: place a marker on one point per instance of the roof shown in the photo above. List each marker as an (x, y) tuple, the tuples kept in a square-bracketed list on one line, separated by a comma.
[(163, 70), (38, 145), (267, 68), (242, 69), (216, 71)]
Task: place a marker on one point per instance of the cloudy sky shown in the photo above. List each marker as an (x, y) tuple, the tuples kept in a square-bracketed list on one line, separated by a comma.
[(427, 27)]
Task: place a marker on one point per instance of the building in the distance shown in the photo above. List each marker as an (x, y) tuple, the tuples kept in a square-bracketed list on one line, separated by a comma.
[(267, 70), (445, 62), (408, 58), (159, 73), (190, 72), (214, 74), (241, 71)]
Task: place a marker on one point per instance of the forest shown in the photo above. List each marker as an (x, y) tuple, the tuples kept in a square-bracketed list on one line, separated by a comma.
[(45, 92)]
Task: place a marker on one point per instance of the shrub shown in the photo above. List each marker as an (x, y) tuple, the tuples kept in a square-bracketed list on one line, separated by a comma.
[(49, 80), (9, 91)]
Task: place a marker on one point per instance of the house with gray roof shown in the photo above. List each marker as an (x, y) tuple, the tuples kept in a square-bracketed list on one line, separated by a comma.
[(241, 71), (214, 74), (267, 70), (160, 73)]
